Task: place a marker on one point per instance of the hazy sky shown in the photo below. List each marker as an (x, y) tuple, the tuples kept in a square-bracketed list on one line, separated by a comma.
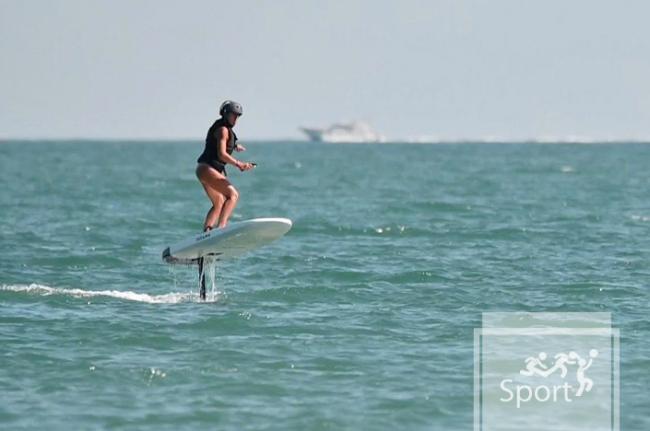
[(452, 69)]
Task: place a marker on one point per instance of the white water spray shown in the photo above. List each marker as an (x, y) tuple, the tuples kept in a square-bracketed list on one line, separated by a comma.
[(208, 279)]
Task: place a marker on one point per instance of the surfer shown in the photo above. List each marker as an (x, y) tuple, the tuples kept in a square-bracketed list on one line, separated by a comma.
[(211, 169)]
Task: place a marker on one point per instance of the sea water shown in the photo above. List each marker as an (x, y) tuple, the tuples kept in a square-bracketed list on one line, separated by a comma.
[(361, 317)]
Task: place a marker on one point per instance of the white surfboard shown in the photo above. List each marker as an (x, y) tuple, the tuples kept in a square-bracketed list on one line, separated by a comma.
[(233, 240)]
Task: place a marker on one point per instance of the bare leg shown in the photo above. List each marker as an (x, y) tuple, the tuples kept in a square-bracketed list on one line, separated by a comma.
[(217, 204), (209, 219), (217, 182), (228, 207)]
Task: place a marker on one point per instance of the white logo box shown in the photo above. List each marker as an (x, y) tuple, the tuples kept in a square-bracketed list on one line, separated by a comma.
[(544, 371)]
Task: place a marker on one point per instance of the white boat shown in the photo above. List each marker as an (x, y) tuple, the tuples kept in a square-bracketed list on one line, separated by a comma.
[(356, 131)]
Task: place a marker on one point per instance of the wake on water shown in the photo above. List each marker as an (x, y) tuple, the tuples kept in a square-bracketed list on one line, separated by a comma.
[(43, 290), (209, 270)]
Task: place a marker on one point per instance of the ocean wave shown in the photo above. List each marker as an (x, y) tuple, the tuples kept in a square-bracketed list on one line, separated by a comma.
[(43, 290)]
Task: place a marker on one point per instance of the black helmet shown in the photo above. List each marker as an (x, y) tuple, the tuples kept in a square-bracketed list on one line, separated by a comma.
[(231, 106)]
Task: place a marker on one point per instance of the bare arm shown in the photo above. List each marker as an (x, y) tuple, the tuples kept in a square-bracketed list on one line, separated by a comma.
[(222, 137)]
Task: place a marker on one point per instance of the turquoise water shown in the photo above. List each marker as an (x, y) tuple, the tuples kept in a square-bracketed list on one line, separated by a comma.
[(362, 317)]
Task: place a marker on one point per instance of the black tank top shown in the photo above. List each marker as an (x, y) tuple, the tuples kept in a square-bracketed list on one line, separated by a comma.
[(210, 153)]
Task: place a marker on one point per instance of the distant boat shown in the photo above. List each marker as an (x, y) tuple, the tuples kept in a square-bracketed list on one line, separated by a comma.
[(354, 132)]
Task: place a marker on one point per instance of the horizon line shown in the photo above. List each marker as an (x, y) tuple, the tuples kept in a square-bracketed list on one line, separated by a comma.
[(423, 140)]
